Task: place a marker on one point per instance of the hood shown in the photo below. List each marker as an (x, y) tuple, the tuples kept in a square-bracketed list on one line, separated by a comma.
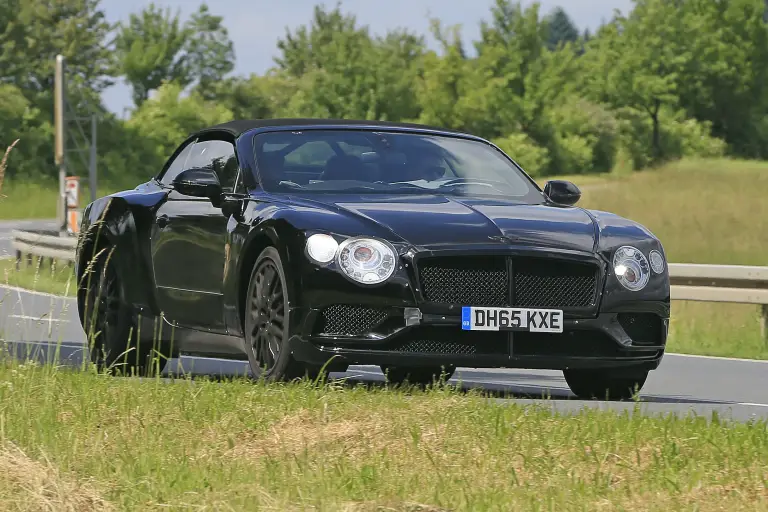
[(435, 221)]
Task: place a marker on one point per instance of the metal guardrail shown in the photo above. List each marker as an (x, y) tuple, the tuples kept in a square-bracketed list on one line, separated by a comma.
[(30, 243), (695, 282)]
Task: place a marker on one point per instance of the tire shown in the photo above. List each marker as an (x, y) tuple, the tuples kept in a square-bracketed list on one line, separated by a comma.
[(267, 323), (605, 385), (417, 375), (108, 320)]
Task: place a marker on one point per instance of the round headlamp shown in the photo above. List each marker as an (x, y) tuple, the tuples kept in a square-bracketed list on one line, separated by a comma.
[(657, 261), (631, 268), (366, 260), (322, 248)]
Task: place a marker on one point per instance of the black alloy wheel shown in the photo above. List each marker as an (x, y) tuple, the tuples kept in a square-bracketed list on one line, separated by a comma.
[(605, 384), (267, 326), (418, 375)]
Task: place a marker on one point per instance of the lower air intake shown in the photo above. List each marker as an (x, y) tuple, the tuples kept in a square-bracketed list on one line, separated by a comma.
[(346, 320)]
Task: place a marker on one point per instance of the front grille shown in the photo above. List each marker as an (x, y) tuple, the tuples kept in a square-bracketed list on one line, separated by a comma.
[(484, 281), (643, 328), (476, 281), (343, 319), (553, 284)]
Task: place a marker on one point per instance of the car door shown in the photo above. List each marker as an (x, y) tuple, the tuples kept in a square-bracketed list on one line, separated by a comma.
[(188, 242)]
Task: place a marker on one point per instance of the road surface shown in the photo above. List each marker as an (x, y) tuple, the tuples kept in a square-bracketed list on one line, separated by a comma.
[(737, 389)]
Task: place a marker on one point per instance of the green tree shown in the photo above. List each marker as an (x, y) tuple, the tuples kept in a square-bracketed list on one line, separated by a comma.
[(637, 62), (168, 118), (561, 29), (210, 52), (256, 96), (149, 49), (344, 72), (440, 86), (155, 47), (19, 119), (33, 32), (726, 84)]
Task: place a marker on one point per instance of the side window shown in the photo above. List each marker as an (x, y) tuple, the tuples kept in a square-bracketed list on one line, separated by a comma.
[(178, 165), (218, 155)]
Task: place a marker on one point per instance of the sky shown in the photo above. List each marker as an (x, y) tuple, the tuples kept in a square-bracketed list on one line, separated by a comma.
[(255, 25)]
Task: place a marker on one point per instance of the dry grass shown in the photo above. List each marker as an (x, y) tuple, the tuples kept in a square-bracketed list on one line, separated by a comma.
[(4, 162), (26, 484)]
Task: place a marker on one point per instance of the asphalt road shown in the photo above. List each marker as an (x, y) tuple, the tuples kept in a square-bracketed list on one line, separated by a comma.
[(45, 326)]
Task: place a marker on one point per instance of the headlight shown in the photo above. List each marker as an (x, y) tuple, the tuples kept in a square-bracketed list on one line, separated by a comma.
[(366, 260), (657, 261), (322, 248), (631, 268)]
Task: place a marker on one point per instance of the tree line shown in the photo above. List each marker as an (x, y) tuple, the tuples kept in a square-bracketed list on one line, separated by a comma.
[(671, 78)]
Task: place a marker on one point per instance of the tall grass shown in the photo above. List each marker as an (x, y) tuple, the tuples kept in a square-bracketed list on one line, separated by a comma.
[(4, 162)]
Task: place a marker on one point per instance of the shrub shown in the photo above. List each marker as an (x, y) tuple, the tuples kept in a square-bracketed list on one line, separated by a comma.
[(533, 158)]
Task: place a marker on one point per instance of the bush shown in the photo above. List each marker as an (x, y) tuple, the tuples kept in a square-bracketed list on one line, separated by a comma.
[(584, 137), (680, 137), (533, 158)]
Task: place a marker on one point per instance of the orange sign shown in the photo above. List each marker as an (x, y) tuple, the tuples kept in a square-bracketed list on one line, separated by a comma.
[(73, 221)]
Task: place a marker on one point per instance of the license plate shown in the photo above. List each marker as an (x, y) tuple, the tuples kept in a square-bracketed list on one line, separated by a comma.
[(512, 319)]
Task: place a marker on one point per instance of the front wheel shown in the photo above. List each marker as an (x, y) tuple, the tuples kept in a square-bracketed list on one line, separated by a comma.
[(605, 385), (418, 375), (267, 326)]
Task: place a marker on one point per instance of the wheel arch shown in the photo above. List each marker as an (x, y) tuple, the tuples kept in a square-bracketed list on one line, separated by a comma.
[(271, 235), (112, 222)]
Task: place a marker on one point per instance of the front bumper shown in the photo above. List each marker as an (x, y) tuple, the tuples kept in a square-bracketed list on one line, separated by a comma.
[(415, 318), (630, 339)]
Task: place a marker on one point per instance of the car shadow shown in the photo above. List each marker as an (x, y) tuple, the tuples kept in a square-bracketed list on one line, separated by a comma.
[(509, 385)]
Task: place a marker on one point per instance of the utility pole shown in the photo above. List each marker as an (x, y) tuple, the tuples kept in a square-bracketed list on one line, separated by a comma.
[(92, 162), (59, 152)]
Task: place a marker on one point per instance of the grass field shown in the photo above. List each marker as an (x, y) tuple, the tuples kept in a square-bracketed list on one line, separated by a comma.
[(80, 441), (24, 200)]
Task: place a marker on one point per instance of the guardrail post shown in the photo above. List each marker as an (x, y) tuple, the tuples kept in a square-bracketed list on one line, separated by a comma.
[(764, 322)]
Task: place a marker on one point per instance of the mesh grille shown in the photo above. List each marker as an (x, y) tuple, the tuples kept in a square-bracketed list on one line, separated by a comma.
[(436, 347), (643, 328), (342, 319), (554, 284), (465, 280), (450, 340), (483, 281)]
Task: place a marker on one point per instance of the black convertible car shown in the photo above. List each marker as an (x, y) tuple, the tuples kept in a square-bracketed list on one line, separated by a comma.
[(308, 245)]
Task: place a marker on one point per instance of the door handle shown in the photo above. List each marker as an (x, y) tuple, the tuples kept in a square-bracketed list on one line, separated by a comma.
[(162, 221)]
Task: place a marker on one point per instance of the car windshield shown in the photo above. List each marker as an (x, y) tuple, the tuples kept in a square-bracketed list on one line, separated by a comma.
[(379, 162)]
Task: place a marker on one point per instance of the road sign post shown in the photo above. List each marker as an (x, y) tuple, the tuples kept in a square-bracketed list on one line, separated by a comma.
[(59, 150)]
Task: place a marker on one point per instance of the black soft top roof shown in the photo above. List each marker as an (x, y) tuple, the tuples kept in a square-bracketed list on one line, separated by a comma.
[(240, 126)]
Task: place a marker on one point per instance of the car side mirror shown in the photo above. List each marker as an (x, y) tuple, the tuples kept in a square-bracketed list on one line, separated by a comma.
[(199, 182), (562, 192)]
